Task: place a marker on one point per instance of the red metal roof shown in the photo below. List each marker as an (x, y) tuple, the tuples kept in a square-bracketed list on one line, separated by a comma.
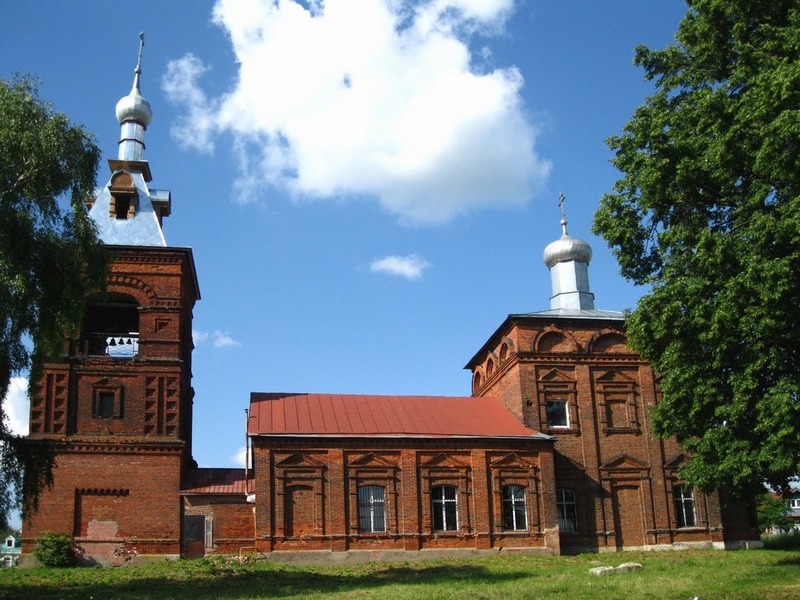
[(215, 481), (349, 415)]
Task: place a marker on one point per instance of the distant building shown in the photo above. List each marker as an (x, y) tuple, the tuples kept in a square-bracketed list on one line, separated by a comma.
[(793, 506), (10, 551), (553, 452)]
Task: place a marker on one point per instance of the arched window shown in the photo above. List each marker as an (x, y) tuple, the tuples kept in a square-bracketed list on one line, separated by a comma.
[(503, 352), (515, 510), (371, 509), (476, 382), (489, 367), (444, 507), (111, 327)]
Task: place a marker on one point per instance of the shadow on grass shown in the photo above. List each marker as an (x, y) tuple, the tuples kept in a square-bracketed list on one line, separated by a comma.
[(783, 541), (213, 582)]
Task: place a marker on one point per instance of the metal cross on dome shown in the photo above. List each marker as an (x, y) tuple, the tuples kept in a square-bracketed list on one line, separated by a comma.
[(141, 45), (561, 199)]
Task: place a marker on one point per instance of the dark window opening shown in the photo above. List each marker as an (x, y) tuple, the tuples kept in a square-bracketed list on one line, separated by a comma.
[(112, 327), (121, 207), (567, 510), (557, 413), (106, 405)]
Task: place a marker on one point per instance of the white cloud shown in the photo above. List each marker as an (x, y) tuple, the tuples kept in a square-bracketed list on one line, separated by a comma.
[(240, 458), (198, 337), (222, 340), (410, 267), (370, 98), (16, 406)]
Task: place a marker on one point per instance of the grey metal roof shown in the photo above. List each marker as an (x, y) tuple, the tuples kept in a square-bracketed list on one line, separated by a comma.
[(142, 230), (570, 313)]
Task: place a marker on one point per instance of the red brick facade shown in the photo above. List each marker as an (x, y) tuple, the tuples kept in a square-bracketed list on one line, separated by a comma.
[(622, 478), (576, 468), (124, 478), (118, 406), (307, 494)]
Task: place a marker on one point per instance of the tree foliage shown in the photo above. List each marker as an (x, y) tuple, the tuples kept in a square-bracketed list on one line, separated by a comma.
[(50, 258), (55, 549), (772, 513), (707, 213)]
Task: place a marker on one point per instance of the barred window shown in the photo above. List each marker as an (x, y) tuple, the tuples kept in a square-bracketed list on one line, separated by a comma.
[(444, 505), (371, 509), (567, 510), (515, 514), (684, 506)]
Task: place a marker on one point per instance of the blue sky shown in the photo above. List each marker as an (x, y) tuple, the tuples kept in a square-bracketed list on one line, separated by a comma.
[(367, 193)]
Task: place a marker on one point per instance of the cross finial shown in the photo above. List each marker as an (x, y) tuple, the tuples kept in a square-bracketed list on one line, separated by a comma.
[(561, 199), (141, 45)]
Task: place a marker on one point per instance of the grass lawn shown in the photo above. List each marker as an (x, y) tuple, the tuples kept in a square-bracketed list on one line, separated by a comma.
[(773, 574)]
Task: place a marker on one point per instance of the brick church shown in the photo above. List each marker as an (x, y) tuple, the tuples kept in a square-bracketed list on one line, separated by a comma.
[(552, 453)]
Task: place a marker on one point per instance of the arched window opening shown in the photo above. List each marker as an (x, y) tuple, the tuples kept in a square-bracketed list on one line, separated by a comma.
[(503, 352), (111, 327)]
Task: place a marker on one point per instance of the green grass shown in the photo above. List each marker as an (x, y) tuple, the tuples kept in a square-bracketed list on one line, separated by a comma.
[(753, 574)]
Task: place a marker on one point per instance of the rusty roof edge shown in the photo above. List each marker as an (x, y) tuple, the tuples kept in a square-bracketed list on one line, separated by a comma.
[(533, 436)]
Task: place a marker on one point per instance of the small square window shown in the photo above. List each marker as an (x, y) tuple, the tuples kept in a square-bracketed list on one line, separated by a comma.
[(107, 403), (557, 415)]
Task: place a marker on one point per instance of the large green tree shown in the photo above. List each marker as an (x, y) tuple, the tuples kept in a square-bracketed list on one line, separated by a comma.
[(707, 214), (50, 259)]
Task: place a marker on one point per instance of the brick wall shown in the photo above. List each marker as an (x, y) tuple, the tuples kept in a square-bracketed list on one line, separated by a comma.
[(233, 525), (307, 493), (113, 496), (122, 423), (622, 475)]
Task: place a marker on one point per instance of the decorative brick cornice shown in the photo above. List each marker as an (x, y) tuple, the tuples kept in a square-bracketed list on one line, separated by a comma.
[(111, 446), (131, 282), (103, 492)]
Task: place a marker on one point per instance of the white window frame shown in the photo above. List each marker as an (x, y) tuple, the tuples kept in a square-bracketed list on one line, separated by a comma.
[(441, 505), (685, 514), (563, 402), (208, 532), (515, 508)]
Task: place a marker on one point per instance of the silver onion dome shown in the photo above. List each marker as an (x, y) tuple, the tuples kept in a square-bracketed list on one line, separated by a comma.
[(134, 107), (567, 249)]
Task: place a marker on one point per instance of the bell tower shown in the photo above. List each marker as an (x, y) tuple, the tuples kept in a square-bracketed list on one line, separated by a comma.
[(118, 402)]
